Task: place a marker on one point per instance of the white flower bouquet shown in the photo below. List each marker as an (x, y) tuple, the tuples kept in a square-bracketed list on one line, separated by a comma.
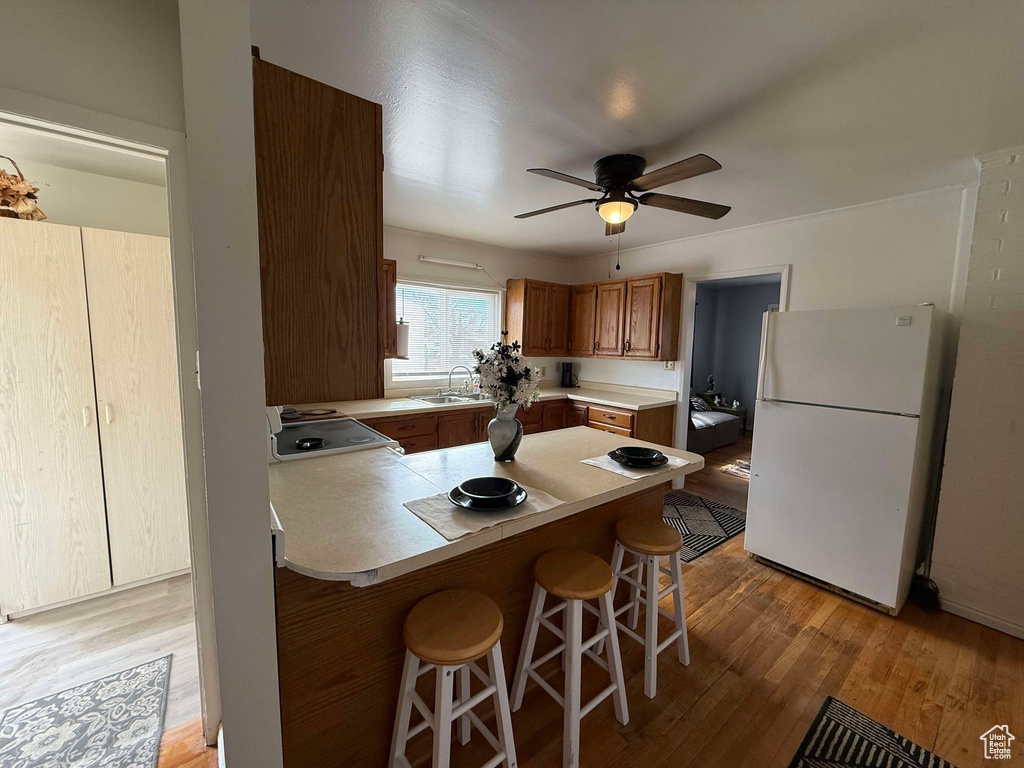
[(506, 376)]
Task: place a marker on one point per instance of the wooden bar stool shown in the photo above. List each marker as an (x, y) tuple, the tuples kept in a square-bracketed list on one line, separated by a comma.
[(648, 540), (447, 632), (575, 577)]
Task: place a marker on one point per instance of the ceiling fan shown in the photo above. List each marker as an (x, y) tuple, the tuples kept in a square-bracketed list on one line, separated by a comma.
[(621, 177)]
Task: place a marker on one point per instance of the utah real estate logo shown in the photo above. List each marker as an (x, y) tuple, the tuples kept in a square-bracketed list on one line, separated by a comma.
[(997, 742)]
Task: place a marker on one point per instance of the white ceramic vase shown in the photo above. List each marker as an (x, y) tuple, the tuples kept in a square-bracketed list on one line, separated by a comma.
[(504, 433)]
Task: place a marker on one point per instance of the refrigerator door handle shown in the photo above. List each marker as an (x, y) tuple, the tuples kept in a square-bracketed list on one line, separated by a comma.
[(763, 360)]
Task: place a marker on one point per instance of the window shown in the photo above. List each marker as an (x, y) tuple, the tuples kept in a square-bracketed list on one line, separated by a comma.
[(445, 325)]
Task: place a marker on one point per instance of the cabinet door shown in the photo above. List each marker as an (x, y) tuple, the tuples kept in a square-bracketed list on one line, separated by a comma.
[(53, 534), (457, 428), (643, 313), (319, 264), (611, 305), (131, 314), (558, 319), (579, 414), (388, 286), (581, 325), (553, 416), (484, 417), (535, 330)]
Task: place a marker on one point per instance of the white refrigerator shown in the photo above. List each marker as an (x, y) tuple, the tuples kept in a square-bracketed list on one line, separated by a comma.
[(841, 457)]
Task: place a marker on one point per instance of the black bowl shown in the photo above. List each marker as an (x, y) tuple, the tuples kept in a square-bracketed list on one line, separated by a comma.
[(638, 455), (488, 489)]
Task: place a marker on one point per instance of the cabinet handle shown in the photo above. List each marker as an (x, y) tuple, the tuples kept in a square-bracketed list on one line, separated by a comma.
[(627, 345), (596, 344), (86, 416), (108, 412)]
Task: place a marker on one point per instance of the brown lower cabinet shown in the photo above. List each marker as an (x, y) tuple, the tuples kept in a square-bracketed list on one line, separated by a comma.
[(447, 429)]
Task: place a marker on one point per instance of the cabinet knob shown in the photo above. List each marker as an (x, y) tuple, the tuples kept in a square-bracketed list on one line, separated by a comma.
[(108, 411), (627, 345), (86, 416)]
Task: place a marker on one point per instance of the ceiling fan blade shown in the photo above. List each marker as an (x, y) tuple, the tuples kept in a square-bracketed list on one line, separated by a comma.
[(614, 229), (685, 205), (684, 169), (591, 185), (553, 208)]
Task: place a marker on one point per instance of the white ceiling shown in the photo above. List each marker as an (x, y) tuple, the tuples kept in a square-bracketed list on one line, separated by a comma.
[(28, 145), (809, 106)]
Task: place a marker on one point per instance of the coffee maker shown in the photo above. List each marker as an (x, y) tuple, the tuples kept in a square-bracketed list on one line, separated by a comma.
[(569, 379)]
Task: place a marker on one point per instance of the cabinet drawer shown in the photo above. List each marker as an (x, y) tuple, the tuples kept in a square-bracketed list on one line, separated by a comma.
[(622, 419), (610, 428), (419, 443), (411, 426)]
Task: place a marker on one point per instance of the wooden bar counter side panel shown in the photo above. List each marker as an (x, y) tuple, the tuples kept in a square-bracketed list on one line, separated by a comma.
[(656, 425), (320, 243), (340, 647)]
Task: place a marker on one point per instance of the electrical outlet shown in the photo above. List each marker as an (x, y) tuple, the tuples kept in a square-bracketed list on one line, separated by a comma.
[(543, 371), (670, 365)]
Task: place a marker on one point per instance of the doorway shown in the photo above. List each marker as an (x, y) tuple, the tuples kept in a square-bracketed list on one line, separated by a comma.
[(96, 567), (723, 350)]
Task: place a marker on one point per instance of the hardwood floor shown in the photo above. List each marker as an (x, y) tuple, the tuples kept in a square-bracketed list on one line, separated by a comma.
[(184, 747), (48, 652), (766, 650)]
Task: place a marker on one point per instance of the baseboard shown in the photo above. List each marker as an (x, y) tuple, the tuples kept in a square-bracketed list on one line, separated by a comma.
[(981, 617)]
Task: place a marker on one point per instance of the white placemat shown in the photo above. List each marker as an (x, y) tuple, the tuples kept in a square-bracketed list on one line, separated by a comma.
[(453, 522), (604, 462)]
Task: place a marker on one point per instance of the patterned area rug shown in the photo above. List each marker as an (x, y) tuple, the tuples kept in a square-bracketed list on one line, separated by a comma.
[(738, 468), (703, 523), (113, 722), (841, 736)]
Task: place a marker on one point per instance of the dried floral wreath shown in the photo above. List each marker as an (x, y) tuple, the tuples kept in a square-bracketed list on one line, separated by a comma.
[(18, 195)]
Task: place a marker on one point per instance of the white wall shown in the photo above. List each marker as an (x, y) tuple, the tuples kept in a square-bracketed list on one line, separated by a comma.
[(978, 557), (117, 56), (899, 251), (83, 199), (222, 197)]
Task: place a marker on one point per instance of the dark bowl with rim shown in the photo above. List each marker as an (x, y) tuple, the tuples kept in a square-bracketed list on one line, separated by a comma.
[(637, 456), (489, 491)]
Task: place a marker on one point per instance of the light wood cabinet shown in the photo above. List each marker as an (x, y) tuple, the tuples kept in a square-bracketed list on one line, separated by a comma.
[(608, 330), (537, 316), (655, 425), (583, 311), (131, 315), (321, 253), (53, 532), (388, 289), (88, 319)]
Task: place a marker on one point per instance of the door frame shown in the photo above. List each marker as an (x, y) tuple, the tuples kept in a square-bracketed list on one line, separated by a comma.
[(689, 307), (124, 135)]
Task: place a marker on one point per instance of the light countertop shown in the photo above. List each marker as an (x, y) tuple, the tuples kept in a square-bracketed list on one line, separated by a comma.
[(343, 518), (403, 406)]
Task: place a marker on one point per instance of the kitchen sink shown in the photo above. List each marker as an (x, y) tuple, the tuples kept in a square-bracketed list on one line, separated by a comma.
[(440, 399), (478, 396)]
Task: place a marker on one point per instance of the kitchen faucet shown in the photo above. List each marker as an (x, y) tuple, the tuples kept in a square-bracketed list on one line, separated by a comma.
[(453, 371)]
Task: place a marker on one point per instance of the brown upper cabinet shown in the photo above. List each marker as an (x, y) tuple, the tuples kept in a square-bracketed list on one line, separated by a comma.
[(537, 316), (635, 318), (583, 313), (321, 261), (611, 305), (388, 288)]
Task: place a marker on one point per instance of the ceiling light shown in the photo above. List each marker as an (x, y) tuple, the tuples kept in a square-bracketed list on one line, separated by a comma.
[(616, 211)]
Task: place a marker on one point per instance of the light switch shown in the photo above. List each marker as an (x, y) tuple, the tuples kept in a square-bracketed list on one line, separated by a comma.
[(903, 320)]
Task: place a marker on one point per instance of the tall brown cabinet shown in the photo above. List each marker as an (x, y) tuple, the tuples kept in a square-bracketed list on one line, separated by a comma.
[(319, 166)]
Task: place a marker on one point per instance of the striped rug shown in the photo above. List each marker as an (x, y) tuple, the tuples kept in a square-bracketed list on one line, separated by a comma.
[(703, 523), (840, 736)]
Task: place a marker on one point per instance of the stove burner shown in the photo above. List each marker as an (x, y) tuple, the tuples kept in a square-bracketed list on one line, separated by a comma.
[(360, 440), (309, 443)]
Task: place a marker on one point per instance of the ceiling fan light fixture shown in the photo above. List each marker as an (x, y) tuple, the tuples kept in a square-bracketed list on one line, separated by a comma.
[(616, 211)]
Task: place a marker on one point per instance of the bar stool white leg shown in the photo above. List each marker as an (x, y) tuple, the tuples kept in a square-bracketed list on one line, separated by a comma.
[(613, 658), (529, 640), (634, 592), (401, 733), (679, 603), (443, 691), (503, 715), (464, 731), (571, 722), (651, 629)]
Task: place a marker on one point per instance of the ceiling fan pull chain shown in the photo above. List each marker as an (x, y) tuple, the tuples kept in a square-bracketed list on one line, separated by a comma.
[(618, 250)]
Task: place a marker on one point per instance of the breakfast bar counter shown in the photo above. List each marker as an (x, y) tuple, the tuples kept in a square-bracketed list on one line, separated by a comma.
[(356, 561)]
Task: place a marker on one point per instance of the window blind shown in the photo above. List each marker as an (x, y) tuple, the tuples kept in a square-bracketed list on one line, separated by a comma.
[(445, 326)]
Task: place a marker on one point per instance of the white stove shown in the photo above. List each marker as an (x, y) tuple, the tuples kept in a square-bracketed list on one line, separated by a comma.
[(320, 438)]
